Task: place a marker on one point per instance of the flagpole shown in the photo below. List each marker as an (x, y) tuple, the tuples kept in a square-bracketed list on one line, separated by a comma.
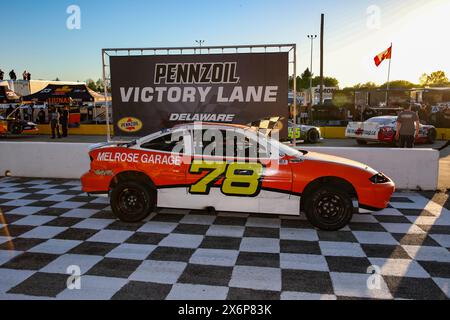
[(388, 79)]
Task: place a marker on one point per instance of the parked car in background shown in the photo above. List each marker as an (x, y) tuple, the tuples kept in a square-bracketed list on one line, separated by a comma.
[(308, 134), (382, 129), (13, 123)]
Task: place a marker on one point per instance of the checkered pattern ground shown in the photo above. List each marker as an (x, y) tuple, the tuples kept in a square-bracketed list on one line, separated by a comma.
[(46, 226)]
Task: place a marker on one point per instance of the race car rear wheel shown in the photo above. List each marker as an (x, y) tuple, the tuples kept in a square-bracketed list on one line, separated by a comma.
[(132, 201), (431, 136), (16, 128), (329, 208), (361, 142), (313, 136)]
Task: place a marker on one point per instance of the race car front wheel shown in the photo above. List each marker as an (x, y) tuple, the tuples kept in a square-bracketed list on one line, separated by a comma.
[(16, 128), (361, 142), (329, 208), (313, 136), (431, 136), (132, 201)]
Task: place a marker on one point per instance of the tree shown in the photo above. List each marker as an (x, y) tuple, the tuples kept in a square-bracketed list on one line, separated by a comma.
[(302, 81), (399, 84), (435, 79), (100, 86), (327, 81), (367, 85), (91, 84)]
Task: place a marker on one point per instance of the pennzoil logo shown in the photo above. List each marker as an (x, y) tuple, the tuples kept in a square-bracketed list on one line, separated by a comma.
[(129, 124)]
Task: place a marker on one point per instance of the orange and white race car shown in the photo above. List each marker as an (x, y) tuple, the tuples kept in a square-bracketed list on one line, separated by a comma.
[(231, 168)]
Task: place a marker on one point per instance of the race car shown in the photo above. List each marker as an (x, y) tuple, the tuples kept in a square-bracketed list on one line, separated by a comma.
[(308, 134), (382, 129), (11, 121), (16, 126), (231, 168)]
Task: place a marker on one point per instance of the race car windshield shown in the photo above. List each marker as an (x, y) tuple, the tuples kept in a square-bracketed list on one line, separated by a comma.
[(381, 120), (284, 149)]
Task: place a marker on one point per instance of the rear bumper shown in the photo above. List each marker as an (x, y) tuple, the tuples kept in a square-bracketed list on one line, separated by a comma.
[(93, 183)]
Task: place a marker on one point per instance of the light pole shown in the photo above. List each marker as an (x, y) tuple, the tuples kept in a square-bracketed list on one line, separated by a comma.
[(200, 43), (311, 37)]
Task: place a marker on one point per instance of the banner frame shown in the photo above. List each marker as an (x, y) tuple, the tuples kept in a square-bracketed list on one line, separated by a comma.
[(291, 49)]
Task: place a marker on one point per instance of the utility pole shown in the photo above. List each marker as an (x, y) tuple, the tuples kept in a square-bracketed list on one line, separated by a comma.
[(200, 43), (311, 37), (322, 23)]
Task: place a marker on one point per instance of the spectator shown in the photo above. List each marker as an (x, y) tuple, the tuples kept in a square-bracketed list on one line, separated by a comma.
[(28, 76), (65, 121), (9, 111), (12, 75), (24, 75), (54, 122), (407, 128), (2, 74), (423, 114), (17, 114), (41, 116), (31, 111)]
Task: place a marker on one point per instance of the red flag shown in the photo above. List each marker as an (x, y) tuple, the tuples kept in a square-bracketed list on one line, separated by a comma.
[(386, 54)]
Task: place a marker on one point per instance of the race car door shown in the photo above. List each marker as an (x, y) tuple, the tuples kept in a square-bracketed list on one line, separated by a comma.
[(227, 175), (166, 161)]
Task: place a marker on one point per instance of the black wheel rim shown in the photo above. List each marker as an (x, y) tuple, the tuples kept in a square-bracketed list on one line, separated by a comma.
[(132, 201), (330, 208), (313, 136)]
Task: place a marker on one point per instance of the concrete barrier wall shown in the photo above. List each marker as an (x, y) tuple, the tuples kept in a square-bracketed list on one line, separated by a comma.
[(44, 160), (410, 169)]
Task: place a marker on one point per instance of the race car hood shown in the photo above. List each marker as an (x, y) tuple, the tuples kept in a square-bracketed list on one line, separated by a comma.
[(338, 160)]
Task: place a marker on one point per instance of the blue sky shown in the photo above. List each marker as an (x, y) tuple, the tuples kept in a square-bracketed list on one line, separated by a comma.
[(35, 36)]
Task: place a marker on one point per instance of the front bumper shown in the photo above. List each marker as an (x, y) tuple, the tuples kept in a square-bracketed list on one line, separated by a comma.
[(377, 196)]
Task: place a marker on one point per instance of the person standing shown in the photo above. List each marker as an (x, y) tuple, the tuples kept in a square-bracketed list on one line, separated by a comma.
[(28, 76), (423, 114), (24, 75), (407, 128), (65, 121), (9, 111), (54, 122), (12, 75), (41, 116), (2, 74)]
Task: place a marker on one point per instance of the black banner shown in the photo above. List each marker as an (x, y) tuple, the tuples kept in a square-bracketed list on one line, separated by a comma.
[(150, 93)]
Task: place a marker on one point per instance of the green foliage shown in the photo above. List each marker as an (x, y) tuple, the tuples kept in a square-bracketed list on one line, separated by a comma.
[(400, 84), (96, 86), (434, 79), (303, 81)]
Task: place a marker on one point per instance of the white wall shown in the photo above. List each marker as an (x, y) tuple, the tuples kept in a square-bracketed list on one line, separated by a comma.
[(44, 160), (410, 169)]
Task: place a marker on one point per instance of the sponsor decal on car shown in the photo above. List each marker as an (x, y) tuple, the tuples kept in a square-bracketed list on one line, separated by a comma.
[(139, 158), (129, 124)]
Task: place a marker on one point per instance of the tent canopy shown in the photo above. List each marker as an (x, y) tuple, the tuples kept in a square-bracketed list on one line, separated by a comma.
[(7, 95), (61, 94), (98, 97)]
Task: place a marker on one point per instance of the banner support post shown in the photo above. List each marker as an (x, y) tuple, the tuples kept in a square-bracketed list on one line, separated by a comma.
[(105, 88), (294, 129), (212, 49)]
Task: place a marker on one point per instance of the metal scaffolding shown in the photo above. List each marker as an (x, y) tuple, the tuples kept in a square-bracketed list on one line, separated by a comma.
[(291, 49)]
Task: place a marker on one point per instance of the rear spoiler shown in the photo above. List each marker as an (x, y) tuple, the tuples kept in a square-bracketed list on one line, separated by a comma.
[(110, 144)]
